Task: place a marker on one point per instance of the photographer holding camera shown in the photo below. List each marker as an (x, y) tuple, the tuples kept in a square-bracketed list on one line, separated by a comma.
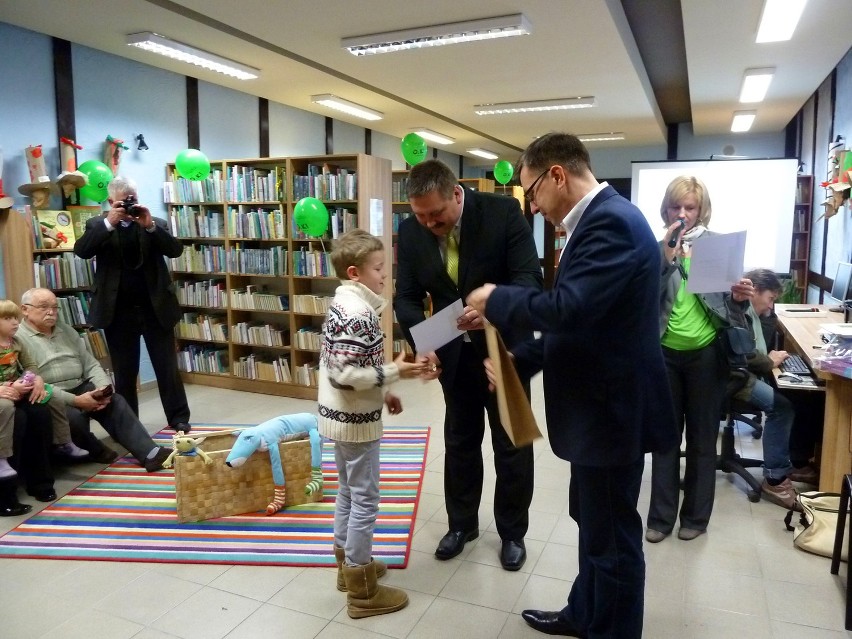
[(133, 296)]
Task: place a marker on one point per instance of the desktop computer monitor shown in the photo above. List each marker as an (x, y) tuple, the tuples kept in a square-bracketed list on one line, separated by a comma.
[(842, 282)]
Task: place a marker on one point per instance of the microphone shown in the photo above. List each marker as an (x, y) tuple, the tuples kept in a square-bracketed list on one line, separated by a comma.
[(673, 240)]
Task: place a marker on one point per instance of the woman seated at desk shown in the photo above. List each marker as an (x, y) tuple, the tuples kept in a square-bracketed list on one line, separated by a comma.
[(778, 471)]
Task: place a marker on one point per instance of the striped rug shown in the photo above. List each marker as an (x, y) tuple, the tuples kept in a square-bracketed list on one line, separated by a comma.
[(126, 514)]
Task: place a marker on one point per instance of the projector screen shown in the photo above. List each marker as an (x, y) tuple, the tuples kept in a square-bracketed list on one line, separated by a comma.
[(756, 196)]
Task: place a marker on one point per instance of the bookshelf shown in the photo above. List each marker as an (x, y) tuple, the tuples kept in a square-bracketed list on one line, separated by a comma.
[(26, 264), (478, 184), (801, 244), (253, 288)]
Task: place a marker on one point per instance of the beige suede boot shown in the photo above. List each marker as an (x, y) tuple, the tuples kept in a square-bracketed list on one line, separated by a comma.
[(340, 555), (365, 597)]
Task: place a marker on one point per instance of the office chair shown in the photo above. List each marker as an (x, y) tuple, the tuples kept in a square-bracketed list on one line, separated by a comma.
[(735, 410)]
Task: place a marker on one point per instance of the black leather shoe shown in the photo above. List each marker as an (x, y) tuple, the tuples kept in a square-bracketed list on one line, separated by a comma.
[(181, 427), (453, 543), (15, 511), (45, 494), (513, 554), (550, 623), (155, 463)]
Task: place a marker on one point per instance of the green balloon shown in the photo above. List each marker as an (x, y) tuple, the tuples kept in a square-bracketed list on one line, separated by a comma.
[(503, 171), (192, 164), (311, 216), (413, 148), (99, 176)]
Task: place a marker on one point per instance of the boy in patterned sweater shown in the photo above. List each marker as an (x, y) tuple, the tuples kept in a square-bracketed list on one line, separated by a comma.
[(352, 375)]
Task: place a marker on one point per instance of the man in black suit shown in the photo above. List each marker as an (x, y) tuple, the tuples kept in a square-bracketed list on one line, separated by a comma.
[(598, 323), (133, 296), (458, 240)]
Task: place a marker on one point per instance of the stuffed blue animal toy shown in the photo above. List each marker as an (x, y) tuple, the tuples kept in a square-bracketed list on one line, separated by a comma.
[(266, 436)]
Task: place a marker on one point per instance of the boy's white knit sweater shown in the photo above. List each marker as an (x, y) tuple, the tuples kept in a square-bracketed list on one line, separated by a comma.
[(352, 371)]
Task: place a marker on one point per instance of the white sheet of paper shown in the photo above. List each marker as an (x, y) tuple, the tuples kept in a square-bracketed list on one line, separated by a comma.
[(377, 217), (442, 328), (717, 263)]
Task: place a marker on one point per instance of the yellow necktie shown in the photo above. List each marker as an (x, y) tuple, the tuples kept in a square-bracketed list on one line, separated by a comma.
[(453, 257)]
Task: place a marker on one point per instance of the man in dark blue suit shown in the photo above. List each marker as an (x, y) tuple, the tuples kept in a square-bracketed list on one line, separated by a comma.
[(607, 400), (458, 240)]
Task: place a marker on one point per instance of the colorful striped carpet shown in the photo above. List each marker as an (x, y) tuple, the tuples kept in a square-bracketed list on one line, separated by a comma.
[(126, 514)]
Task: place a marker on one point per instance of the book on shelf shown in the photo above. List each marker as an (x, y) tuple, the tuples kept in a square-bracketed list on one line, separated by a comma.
[(57, 229), (80, 215), (64, 270), (95, 342)]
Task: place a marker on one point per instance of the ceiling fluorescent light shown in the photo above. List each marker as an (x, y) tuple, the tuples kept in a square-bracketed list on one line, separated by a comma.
[(742, 121), (534, 105), (483, 153), (333, 102), (178, 51), (438, 35), (779, 19), (755, 84), (433, 136), (600, 137)]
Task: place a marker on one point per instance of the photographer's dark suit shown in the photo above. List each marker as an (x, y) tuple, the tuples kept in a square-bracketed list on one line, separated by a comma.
[(495, 245), (133, 298)]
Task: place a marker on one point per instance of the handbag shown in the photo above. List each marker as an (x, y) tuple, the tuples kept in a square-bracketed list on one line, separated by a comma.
[(736, 343), (817, 525)]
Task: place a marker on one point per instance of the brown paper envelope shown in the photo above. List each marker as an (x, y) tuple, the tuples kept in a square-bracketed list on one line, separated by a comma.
[(515, 411)]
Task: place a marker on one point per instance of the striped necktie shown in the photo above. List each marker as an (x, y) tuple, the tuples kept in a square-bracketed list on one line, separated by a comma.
[(453, 257)]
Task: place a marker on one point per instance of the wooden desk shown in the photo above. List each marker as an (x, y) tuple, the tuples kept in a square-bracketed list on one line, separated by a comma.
[(801, 334)]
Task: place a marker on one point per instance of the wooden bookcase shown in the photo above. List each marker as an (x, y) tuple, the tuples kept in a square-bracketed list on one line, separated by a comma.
[(246, 266), (801, 244)]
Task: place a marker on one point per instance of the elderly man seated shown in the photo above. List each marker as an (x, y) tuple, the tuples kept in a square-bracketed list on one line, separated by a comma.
[(57, 352)]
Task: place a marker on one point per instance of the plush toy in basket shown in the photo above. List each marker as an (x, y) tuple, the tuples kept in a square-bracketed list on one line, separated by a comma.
[(266, 436), (206, 491)]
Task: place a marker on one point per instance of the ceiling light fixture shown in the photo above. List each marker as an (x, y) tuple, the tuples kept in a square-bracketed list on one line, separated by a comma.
[(534, 106), (352, 108), (156, 43), (778, 20), (742, 121), (438, 35), (600, 137), (434, 136), (756, 83), (483, 153)]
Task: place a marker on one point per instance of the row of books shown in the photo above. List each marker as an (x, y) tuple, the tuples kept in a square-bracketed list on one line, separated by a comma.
[(180, 190), (399, 190), (398, 217), (257, 261), (262, 224), (203, 359), (201, 258), (247, 184), (64, 270), (307, 263), (402, 346), (308, 338), (275, 370), (251, 299), (58, 229), (307, 374), (209, 293), (74, 309), (340, 221), (95, 342), (199, 326), (800, 222), (314, 304), (190, 221), (800, 248), (259, 334), (328, 187)]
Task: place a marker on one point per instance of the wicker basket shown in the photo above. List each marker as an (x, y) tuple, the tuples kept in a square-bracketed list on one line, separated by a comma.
[(207, 491)]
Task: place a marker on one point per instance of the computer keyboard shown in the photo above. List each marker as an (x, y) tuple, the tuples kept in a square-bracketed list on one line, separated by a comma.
[(795, 364)]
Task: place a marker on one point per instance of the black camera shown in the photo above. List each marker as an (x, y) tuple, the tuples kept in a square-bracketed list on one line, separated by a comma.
[(131, 206)]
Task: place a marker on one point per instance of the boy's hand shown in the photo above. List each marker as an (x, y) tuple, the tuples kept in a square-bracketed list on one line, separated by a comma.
[(393, 403), (409, 369)]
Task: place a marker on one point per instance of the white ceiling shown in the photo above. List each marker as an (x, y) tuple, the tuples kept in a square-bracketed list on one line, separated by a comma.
[(577, 48)]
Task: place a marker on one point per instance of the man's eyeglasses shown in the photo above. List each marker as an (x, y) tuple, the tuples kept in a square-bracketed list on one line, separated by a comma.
[(529, 194), (43, 307)]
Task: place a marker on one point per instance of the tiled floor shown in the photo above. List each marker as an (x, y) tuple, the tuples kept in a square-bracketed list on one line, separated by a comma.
[(743, 579)]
